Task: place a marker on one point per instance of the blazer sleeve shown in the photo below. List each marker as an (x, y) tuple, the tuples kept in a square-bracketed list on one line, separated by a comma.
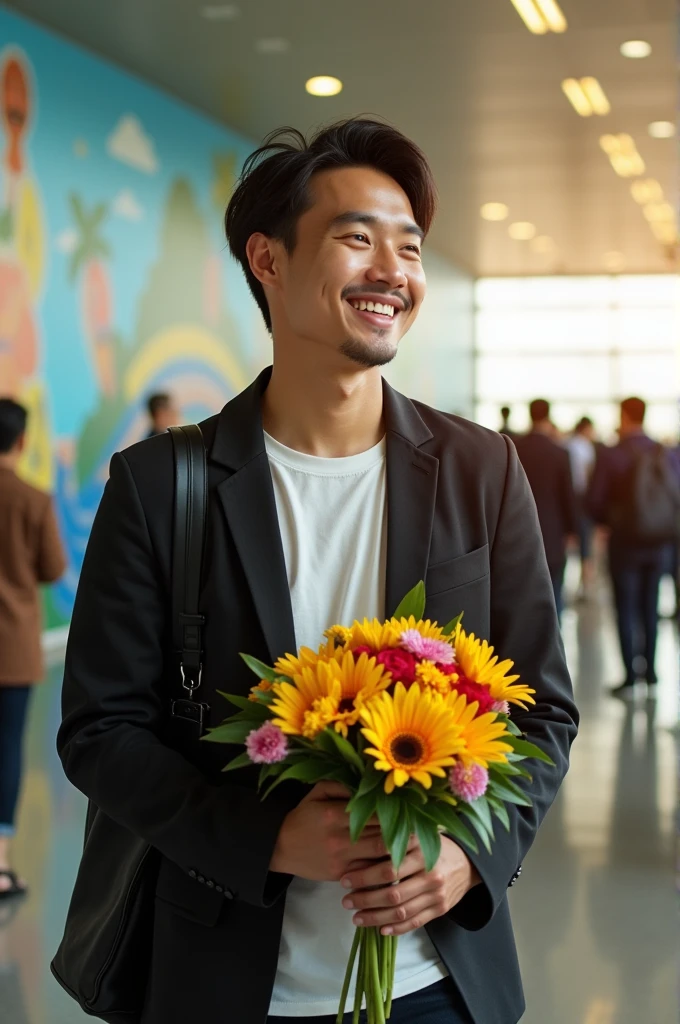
[(114, 703), (50, 560), (524, 628)]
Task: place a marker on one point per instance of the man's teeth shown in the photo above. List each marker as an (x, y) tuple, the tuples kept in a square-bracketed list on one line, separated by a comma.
[(373, 307)]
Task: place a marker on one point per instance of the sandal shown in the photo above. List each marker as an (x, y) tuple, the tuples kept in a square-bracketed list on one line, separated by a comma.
[(15, 888)]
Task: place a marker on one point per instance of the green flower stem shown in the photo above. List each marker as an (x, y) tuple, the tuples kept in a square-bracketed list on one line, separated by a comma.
[(393, 941), (348, 975), (383, 951), (361, 977), (377, 1011)]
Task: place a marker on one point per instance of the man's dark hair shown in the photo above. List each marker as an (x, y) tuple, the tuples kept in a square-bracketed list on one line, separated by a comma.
[(583, 424), (273, 191), (539, 410), (155, 403), (13, 419), (635, 410)]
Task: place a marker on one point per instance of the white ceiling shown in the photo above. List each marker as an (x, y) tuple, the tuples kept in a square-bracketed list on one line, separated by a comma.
[(464, 78)]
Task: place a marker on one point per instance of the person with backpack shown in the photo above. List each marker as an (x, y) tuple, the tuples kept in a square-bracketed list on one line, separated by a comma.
[(635, 492)]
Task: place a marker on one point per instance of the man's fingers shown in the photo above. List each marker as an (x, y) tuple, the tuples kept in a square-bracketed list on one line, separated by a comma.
[(402, 919), (370, 847), (389, 896), (384, 872)]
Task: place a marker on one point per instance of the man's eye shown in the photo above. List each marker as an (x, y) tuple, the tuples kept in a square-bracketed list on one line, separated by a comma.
[(413, 248), (360, 238)]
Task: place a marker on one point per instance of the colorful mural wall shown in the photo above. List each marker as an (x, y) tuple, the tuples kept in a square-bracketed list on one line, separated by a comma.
[(113, 277)]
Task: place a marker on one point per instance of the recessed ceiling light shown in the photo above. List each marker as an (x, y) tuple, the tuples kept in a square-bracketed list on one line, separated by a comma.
[(494, 211), (272, 45), (522, 231), (614, 261), (541, 16), (543, 244), (664, 232), (636, 49), (220, 12), (661, 129), (646, 191), (659, 212), (586, 96), (323, 85)]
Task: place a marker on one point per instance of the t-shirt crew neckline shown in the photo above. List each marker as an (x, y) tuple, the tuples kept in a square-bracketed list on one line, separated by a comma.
[(347, 465)]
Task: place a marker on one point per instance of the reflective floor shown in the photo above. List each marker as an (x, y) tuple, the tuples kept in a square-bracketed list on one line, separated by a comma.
[(594, 911)]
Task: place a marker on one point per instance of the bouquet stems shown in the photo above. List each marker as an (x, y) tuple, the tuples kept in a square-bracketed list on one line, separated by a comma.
[(374, 977)]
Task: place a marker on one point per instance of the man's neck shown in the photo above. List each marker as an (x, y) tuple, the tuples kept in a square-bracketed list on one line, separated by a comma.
[(542, 427), (321, 411), (9, 461)]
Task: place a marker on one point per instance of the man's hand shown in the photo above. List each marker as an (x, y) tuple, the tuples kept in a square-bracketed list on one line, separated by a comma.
[(417, 897), (314, 839)]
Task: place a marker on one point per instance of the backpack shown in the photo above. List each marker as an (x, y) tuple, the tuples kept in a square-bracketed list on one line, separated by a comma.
[(647, 509)]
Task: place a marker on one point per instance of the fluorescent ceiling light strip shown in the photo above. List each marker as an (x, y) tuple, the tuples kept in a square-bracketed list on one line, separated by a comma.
[(596, 96), (552, 14), (577, 97), (531, 16)]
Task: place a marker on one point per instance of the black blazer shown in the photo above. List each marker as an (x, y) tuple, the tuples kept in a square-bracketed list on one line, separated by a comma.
[(548, 470), (460, 516)]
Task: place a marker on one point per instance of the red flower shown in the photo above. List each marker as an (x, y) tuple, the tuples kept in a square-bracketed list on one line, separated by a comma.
[(475, 692), (358, 651), (448, 670), (401, 663)]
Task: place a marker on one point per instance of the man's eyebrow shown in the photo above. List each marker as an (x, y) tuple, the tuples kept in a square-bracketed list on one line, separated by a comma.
[(357, 217)]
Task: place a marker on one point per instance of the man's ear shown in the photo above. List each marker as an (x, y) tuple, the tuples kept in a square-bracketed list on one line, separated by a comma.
[(263, 253)]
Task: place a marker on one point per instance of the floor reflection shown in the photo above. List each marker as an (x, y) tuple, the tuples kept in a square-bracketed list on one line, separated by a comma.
[(594, 910)]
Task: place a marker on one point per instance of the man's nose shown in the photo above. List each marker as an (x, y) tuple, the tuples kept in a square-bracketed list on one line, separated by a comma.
[(386, 269)]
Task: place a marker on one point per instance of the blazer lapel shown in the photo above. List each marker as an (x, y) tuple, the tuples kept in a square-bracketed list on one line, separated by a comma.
[(249, 505), (411, 495)]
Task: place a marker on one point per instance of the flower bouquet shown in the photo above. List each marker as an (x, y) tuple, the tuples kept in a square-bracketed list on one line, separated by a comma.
[(414, 719)]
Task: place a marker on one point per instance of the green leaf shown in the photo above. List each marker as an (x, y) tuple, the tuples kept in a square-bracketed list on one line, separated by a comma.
[(242, 761), (252, 712), (451, 627), (268, 771), (527, 749), (512, 727), (500, 810), (428, 836), (241, 702), (388, 806), (457, 830), (304, 771), (506, 790), (371, 779), (412, 796), (360, 811), (481, 808), (413, 604), (261, 670), (478, 824), (402, 835), (230, 732), (346, 750)]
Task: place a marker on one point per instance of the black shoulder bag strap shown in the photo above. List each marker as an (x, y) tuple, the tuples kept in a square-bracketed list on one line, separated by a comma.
[(190, 513)]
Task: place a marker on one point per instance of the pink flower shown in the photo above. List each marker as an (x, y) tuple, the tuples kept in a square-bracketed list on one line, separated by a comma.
[(402, 665), (468, 783), (363, 649), (426, 648), (475, 692), (501, 707), (266, 745)]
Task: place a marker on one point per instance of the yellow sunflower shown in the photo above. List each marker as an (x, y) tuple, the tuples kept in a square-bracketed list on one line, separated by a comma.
[(291, 664), (414, 735), (381, 635), (477, 661), (428, 675), (328, 693), (482, 735), (264, 686)]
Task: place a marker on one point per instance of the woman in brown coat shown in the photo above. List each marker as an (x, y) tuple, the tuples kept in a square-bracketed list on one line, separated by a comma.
[(30, 553)]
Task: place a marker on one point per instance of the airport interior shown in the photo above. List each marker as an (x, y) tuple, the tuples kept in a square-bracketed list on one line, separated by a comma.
[(552, 272)]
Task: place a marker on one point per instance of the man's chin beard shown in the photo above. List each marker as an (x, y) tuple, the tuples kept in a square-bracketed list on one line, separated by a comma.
[(366, 355)]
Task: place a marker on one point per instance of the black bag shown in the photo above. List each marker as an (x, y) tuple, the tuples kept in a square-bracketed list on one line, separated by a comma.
[(647, 510), (104, 957)]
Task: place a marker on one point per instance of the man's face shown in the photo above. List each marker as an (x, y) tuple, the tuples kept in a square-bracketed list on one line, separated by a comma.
[(356, 246), (168, 416)]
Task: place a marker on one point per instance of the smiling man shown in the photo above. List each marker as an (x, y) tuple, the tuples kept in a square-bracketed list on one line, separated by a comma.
[(330, 495)]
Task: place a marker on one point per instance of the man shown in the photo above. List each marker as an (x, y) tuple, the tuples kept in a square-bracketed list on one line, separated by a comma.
[(547, 467), (582, 455), (163, 413), (330, 496), (636, 562), (30, 553), (505, 428)]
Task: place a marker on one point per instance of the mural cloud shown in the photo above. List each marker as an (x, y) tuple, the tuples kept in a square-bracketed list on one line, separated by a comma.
[(66, 241), (129, 143), (127, 206)]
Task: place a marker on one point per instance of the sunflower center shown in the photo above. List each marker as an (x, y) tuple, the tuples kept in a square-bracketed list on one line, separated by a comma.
[(346, 705), (406, 748)]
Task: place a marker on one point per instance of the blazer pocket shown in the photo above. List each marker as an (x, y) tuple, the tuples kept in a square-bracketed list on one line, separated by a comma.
[(457, 572), (189, 897)]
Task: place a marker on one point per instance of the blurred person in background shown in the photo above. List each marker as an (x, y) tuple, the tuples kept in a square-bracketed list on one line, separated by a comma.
[(163, 413), (582, 455), (30, 553), (635, 491), (548, 469), (505, 422)]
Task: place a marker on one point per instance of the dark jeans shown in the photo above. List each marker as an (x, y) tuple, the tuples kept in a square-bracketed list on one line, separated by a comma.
[(13, 709), (557, 577), (438, 1004), (636, 595)]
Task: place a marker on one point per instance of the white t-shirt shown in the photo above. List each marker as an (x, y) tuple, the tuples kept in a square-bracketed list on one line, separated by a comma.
[(333, 521)]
